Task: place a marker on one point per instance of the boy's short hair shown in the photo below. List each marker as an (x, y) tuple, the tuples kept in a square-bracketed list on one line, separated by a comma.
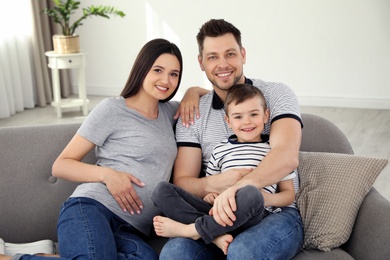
[(239, 93)]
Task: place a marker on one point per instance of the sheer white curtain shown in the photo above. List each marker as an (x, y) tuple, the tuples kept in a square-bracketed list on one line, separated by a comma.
[(16, 66)]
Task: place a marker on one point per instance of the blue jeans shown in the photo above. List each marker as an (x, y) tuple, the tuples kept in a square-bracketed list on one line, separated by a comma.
[(88, 230), (277, 236), (191, 209)]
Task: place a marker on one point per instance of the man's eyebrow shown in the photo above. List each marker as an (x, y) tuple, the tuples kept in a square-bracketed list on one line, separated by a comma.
[(214, 52)]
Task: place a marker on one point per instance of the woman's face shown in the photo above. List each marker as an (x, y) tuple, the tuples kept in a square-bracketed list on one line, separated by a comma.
[(163, 78)]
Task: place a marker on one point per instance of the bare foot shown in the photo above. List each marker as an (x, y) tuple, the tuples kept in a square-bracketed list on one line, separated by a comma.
[(5, 257), (166, 227), (223, 242)]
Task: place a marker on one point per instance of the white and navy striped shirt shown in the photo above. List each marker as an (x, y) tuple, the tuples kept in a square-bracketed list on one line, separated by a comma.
[(230, 154)]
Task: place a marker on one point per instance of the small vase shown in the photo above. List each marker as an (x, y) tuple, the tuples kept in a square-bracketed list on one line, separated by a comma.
[(66, 44)]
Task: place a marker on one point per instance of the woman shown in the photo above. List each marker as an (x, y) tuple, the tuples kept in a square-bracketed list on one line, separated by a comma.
[(110, 213)]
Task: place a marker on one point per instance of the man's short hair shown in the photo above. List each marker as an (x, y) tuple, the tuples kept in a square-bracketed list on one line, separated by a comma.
[(215, 28)]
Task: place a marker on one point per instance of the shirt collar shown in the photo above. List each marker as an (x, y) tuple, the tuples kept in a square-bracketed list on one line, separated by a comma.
[(264, 139), (218, 103)]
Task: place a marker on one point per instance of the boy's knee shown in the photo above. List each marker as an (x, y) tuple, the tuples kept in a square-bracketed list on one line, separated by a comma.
[(250, 194)]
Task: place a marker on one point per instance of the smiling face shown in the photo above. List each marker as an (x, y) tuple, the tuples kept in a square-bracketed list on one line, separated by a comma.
[(163, 77), (247, 119), (222, 60)]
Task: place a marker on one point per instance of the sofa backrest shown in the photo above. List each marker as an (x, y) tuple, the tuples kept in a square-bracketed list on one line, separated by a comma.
[(31, 197), (321, 135)]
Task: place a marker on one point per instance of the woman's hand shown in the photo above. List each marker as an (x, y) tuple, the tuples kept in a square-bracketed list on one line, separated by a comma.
[(120, 185), (189, 105)]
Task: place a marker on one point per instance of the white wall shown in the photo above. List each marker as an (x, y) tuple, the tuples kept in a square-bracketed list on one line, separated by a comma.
[(331, 52)]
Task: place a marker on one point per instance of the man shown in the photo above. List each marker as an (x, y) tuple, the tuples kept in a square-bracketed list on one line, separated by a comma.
[(278, 236)]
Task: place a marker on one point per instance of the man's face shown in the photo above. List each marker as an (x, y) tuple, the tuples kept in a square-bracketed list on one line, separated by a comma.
[(222, 60)]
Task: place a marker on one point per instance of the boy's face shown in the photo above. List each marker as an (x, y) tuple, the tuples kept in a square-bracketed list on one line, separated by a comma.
[(223, 61), (247, 119)]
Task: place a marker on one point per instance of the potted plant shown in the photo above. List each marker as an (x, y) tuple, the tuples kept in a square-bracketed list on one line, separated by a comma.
[(62, 12)]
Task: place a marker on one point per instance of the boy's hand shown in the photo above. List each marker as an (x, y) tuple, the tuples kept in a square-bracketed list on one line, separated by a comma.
[(210, 197)]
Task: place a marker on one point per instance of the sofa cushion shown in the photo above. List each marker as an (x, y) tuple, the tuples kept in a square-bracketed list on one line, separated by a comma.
[(332, 188)]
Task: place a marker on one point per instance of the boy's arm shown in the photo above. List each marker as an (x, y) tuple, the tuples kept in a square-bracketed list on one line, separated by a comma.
[(284, 197), (210, 197)]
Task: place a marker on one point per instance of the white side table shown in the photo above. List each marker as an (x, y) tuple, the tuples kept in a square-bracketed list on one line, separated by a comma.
[(68, 61)]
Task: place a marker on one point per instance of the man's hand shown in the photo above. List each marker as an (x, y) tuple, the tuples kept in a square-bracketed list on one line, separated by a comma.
[(225, 206), (120, 185)]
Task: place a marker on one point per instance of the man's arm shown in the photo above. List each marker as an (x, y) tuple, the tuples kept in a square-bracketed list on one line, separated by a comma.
[(186, 172)]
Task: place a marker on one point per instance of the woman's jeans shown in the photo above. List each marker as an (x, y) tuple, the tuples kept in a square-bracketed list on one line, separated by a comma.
[(88, 230), (277, 236)]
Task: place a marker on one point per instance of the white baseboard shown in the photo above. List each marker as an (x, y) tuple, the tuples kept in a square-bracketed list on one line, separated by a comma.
[(344, 102), (99, 91)]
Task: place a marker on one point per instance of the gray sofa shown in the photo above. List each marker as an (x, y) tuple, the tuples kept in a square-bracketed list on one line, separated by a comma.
[(30, 197)]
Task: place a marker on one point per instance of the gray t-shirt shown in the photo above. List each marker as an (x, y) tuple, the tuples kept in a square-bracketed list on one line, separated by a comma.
[(126, 141)]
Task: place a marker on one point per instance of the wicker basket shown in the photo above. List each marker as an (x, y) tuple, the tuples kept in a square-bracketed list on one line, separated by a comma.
[(66, 44)]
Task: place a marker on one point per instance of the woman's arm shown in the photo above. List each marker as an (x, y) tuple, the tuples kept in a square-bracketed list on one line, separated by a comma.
[(68, 166), (190, 104)]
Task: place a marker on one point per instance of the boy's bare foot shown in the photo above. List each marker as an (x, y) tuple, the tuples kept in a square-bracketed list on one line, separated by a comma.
[(5, 257), (166, 227), (223, 242)]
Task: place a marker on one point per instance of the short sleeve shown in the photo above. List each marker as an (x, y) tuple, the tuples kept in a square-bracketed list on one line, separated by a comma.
[(98, 124)]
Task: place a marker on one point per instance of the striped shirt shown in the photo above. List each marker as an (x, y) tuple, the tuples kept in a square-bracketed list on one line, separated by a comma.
[(230, 154)]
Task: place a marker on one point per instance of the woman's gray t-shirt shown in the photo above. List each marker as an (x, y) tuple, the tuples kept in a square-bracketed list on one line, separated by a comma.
[(126, 141)]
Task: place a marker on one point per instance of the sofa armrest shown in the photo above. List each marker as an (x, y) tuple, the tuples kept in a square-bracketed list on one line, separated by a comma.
[(370, 238)]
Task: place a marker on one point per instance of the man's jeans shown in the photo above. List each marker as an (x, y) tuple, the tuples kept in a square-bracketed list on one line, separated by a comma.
[(88, 230), (277, 236), (190, 209)]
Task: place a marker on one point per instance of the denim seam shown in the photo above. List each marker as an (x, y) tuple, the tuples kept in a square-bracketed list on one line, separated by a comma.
[(87, 230)]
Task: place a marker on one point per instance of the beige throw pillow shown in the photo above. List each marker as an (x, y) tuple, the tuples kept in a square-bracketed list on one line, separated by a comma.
[(332, 188)]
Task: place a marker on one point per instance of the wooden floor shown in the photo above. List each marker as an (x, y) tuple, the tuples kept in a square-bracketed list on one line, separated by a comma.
[(368, 130)]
